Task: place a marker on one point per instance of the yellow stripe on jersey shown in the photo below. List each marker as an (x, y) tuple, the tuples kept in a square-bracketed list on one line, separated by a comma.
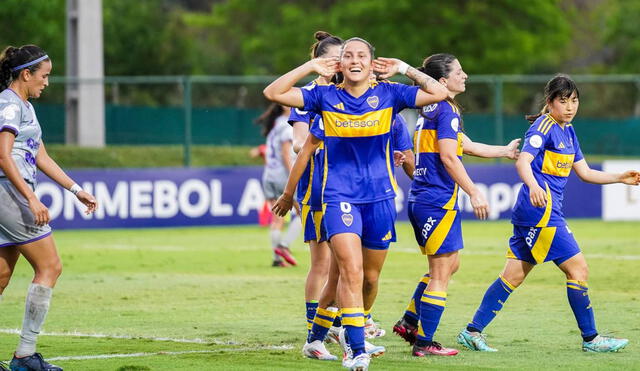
[(557, 164), (454, 197), (550, 123), (366, 125), (439, 234), (547, 211), (317, 224), (543, 244), (455, 109), (304, 214), (543, 123), (429, 142), (324, 178), (392, 178), (307, 193)]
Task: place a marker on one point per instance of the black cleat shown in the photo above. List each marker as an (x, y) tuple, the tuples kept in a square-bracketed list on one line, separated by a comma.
[(34, 362)]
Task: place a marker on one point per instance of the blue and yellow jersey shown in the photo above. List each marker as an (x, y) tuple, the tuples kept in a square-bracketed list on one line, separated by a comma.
[(400, 134), (309, 191), (555, 149), (358, 165), (432, 184)]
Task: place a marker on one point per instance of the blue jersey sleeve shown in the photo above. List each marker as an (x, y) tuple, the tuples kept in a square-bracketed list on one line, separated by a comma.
[(400, 134), (312, 95), (298, 115), (405, 96), (535, 139), (317, 128), (448, 122)]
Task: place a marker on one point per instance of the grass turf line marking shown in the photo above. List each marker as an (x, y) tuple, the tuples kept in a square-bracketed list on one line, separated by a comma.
[(489, 253), (128, 337)]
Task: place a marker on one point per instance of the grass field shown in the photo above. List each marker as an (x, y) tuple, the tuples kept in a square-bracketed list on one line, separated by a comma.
[(214, 289)]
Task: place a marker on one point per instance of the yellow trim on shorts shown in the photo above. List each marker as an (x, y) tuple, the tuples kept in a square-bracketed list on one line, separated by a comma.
[(540, 249), (439, 234)]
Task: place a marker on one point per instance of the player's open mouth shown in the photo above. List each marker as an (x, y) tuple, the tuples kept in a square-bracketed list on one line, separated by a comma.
[(355, 70)]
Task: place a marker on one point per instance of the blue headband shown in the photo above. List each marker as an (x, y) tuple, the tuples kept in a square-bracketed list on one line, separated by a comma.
[(28, 64)]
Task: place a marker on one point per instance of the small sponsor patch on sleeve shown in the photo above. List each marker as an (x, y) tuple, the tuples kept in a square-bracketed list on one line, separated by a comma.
[(535, 141), (455, 123), (9, 112)]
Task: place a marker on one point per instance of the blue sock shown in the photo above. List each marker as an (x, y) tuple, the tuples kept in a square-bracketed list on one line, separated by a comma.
[(337, 322), (578, 294), (493, 300), (321, 324), (431, 307), (353, 323), (312, 307), (412, 313)]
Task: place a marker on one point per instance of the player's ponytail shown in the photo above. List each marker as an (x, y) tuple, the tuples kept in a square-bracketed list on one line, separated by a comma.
[(13, 60), (560, 86), (438, 66), (324, 41)]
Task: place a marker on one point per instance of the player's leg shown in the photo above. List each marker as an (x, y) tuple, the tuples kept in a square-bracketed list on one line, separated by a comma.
[(275, 233), (373, 263), (316, 277), (577, 272), (43, 257), (8, 257), (293, 231)]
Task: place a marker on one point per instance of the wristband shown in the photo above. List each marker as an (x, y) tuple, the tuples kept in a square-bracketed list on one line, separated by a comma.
[(75, 188), (403, 67)]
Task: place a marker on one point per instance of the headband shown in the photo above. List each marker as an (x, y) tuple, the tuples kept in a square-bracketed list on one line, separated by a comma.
[(28, 64)]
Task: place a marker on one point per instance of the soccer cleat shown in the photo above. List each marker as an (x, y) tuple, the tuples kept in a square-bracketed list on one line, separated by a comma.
[(333, 335), (604, 344), (279, 264), (317, 350), (285, 253), (374, 350), (347, 353), (357, 363), (34, 362), (474, 341), (435, 349), (372, 330), (406, 331)]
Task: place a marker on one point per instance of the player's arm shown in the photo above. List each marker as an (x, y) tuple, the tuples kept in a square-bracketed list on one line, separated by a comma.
[(283, 91), (537, 195), (431, 91), (300, 133), (477, 149), (286, 154), (50, 168), (409, 164), (285, 201), (589, 175), (10, 170), (455, 168)]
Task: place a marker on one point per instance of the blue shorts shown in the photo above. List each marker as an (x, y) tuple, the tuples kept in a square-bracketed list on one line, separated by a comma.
[(313, 224), (538, 245), (437, 230), (374, 222)]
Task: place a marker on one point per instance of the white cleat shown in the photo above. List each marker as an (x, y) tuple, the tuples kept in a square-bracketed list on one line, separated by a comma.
[(373, 330), (374, 350), (333, 335), (317, 350), (358, 363)]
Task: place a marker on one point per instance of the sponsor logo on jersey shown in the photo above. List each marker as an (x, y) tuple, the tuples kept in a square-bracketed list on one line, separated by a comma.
[(455, 123), (373, 101), (430, 108), (426, 228), (347, 219), (561, 146), (535, 141), (387, 236)]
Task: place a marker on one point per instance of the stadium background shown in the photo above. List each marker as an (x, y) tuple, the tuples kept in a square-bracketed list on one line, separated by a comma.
[(183, 83)]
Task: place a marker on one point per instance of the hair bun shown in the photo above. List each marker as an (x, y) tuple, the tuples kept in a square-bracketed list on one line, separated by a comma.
[(321, 35)]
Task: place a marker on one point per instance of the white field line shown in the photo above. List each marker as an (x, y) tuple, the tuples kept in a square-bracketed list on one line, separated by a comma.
[(469, 252), (128, 337)]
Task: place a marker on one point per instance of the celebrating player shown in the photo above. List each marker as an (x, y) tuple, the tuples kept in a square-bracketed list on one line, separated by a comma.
[(24, 228), (433, 207), (359, 186), (540, 233)]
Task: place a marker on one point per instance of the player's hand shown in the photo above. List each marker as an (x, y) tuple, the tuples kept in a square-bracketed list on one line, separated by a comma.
[(630, 177), (386, 67), (538, 196), (480, 205), (326, 67), (398, 158), (282, 206), (512, 149), (88, 200), (40, 212)]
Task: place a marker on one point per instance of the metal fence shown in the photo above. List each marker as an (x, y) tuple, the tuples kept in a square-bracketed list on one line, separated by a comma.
[(210, 110)]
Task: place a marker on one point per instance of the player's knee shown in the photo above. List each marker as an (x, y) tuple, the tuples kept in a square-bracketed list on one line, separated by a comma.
[(514, 279), (371, 280), (579, 274), (5, 276), (51, 270)]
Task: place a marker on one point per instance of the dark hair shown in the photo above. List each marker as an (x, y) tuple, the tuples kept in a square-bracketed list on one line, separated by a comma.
[(268, 118), (13, 57), (438, 66), (371, 48), (321, 47), (561, 86)]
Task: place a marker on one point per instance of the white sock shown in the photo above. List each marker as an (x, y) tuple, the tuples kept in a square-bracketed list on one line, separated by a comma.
[(275, 241), (36, 308), (295, 227)]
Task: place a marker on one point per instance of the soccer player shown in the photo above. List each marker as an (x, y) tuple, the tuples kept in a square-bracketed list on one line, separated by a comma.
[(358, 184), (278, 161), (309, 196), (433, 207), (540, 233), (24, 228)]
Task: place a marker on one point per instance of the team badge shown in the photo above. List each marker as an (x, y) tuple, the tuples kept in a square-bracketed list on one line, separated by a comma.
[(300, 112), (455, 123), (535, 141), (373, 101), (347, 219)]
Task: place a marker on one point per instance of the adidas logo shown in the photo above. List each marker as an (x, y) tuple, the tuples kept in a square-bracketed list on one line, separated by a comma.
[(387, 237), (339, 106), (561, 146)]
